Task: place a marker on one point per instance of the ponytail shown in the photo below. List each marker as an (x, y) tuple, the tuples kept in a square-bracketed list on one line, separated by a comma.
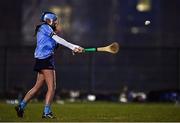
[(37, 29)]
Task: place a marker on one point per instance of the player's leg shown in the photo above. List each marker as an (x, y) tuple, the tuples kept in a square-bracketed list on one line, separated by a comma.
[(50, 78), (40, 81)]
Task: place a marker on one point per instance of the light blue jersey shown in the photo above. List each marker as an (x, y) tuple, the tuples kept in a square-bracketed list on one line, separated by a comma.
[(45, 43)]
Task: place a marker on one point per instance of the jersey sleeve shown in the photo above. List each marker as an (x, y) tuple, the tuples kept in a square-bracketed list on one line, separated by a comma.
[(47, 30)]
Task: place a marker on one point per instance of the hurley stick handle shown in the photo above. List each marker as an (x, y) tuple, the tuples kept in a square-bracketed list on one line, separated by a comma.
[(90, 49)]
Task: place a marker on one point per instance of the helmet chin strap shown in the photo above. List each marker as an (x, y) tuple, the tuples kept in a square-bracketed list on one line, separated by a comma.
[(52, 25)]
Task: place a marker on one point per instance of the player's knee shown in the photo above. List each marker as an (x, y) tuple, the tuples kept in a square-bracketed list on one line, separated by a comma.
[(35, 89), (52, 88)]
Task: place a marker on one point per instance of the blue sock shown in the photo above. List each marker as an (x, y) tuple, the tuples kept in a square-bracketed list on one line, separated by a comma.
[(47, 109), (23, 104)]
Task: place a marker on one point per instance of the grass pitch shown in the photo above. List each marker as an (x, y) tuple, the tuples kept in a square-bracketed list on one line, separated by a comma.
[(96, 112)]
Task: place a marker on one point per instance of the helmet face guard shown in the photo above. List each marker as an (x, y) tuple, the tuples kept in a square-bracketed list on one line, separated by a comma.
[(48, 15)]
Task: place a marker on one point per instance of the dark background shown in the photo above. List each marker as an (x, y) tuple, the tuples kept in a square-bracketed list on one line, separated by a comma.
[(148, 59)]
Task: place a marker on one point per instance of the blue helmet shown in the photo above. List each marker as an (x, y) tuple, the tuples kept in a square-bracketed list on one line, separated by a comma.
[(48, 15)]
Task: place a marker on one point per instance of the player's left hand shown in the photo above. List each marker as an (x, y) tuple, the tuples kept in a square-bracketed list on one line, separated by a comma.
[(78, 49)]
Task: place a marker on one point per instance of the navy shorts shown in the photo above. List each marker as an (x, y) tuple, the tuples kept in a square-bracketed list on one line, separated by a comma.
[(47, 63)]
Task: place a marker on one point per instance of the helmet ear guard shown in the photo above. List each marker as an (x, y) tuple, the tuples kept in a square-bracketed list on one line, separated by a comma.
[(48, 15)]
